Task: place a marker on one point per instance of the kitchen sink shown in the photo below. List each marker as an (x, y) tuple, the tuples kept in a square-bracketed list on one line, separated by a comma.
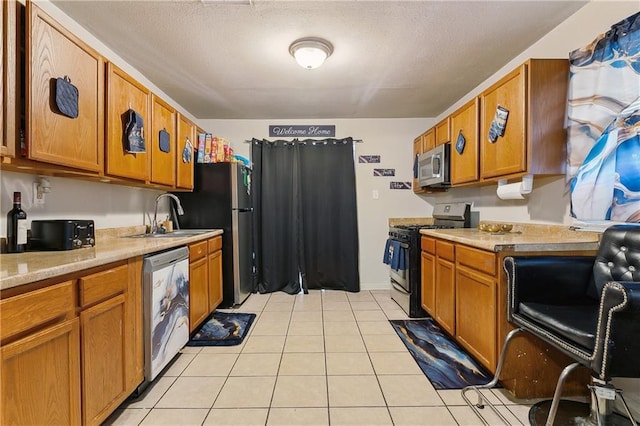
[(178, 233)]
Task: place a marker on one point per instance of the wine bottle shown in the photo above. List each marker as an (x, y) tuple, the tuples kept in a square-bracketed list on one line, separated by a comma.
[(16, 226)]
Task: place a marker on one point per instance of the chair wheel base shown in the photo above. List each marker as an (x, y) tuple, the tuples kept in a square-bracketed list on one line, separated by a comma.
[(570, 413)]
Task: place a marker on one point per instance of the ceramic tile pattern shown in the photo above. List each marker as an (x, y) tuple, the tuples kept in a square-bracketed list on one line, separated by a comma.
[(324, 358)]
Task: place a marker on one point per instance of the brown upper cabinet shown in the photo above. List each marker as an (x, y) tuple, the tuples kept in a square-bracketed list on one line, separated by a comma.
[(464, 123), (51, 53), (187, 140), (443, 132), (38, 138), (124, 93), (534, 137), (163, 158), (428, 140), (8, 70)]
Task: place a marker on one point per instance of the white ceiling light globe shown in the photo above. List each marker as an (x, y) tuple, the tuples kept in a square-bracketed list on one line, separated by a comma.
[(310, 52)]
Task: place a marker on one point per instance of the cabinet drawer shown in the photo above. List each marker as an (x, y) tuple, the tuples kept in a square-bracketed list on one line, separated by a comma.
[(197, 250), (428, 245), (480, 260), (102, 285), (445, 250), (29, 310), (215, 244)]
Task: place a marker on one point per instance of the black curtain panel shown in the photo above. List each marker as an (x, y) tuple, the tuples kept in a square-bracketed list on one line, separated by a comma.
[(274, 181), (329, 223), (305, 215)]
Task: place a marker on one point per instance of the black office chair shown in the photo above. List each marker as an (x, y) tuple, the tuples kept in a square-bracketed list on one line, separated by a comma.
[(590, 310)]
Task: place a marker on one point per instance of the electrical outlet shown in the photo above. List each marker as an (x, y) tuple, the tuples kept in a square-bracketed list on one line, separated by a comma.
[(37, 200), (376, 194)]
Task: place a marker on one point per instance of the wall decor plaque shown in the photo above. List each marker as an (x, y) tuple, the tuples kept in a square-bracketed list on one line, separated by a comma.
[(368, 159), (302, 131), (384, 172), (399, 185)]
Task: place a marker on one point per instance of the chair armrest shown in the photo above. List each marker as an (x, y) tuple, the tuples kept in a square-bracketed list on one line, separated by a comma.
[(548, 279), (626, 293), (619, 327)]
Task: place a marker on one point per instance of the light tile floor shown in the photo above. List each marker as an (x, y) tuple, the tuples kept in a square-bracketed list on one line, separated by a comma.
[(324, 358)]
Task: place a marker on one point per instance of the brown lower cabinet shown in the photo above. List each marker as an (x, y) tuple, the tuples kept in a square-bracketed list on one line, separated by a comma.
[(445, 297), (428, 271), (215, 272), (480, 309), (41, 377), (72, 350), (205, 280)]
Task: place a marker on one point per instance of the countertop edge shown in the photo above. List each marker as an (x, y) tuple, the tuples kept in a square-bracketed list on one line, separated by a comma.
[(517, 242), (102, 255)]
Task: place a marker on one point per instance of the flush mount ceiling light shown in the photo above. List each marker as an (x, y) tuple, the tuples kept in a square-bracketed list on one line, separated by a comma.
[(310, 52)]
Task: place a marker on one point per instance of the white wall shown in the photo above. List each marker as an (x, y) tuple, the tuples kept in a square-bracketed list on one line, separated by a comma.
[(389, 138)]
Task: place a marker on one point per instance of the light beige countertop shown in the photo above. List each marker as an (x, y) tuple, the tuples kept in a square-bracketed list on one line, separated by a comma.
[(23, 268), (523, 237)]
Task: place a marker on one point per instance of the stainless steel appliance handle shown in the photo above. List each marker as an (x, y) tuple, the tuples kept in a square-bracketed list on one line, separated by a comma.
[(436, 165)]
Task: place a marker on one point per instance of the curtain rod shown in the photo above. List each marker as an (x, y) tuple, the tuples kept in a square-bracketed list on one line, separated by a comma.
[(355, 140)]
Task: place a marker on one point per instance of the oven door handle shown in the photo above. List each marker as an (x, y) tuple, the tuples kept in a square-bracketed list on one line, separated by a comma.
[(404, 246)]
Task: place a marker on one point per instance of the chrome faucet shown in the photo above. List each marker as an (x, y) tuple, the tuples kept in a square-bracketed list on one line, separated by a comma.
[(154, 224)]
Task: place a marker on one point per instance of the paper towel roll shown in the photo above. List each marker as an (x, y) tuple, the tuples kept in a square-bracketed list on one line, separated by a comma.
[(511, 191)]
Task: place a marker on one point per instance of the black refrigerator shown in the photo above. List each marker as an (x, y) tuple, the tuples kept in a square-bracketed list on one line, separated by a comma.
[(221, 199)]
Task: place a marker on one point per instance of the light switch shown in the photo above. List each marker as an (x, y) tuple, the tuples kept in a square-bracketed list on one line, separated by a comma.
[(375, 194)]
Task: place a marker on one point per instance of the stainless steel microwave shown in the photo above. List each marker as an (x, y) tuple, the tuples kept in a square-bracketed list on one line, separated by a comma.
[(433, 167)]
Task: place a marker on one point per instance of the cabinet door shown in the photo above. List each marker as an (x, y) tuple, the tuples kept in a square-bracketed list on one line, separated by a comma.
[(9, 83), (52, 52), (198, 293), (464, 165), (445, 295), (41, 377), (3, 67), (215, 279), (103, 359), (134, 332), (429, 140), (184, 161), (476, 322), (163, 162), (124, 93), (428, 288), (507, 155), (443, 132)]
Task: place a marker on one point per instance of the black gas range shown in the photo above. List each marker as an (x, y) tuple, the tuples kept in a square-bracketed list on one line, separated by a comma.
[(406, 278)]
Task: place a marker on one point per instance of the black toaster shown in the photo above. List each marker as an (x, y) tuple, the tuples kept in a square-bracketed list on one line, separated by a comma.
[(61, 234)]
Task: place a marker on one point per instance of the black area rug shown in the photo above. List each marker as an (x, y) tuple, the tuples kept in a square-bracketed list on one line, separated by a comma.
[(223, 329), (441, 359)]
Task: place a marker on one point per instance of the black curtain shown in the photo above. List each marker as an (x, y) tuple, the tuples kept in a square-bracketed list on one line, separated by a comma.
[(305, 215), (329, 220), (275, 211)]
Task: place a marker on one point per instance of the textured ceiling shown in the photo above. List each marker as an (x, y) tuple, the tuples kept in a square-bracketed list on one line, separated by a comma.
[(391, 58)]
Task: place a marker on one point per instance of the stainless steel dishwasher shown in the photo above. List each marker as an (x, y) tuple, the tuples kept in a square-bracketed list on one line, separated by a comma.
[(166, 308)]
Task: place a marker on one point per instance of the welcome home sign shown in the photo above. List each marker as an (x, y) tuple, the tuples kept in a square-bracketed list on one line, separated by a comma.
[(308, 131)]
